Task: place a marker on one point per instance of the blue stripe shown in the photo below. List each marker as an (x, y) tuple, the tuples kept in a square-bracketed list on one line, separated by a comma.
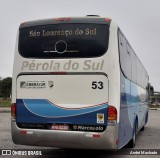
[(24, 115), (44, 108)]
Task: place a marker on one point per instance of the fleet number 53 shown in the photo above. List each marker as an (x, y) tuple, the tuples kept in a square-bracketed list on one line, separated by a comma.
[(97, 85)]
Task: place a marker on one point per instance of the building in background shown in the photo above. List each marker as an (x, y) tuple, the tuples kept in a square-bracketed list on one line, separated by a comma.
[(155, 99)]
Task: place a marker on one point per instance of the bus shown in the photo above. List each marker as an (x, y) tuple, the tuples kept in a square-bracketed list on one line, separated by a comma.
[(77, 83)]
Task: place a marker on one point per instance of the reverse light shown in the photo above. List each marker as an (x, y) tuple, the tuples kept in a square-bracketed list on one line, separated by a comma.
[(23, 132), (112, 113), (13, 110)]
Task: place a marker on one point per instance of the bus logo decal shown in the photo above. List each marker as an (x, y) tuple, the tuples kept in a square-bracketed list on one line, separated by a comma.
[(32, 84), (51, 84), (23, 84)]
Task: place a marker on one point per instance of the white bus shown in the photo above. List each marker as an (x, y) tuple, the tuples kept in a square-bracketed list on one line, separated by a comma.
[(77, 83)]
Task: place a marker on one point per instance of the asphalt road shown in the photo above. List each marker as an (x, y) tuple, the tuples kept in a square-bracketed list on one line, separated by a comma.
[(148, 139)]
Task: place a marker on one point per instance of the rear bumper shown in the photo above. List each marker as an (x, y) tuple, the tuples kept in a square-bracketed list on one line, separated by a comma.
[(66, 139)]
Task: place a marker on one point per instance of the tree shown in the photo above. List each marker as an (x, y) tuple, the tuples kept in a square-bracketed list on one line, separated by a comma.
[(6, 87), (0, 88)]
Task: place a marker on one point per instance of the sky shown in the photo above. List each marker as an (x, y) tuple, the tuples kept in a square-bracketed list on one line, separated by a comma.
[(139, 20)]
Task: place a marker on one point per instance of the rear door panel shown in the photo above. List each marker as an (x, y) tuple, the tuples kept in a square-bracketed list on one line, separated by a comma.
[(65, 99)]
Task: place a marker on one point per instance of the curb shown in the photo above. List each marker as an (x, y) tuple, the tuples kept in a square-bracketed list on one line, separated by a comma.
[(154, 108), (5, 110)]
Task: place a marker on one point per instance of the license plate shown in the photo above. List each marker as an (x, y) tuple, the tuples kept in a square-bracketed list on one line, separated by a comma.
[(60, 127)]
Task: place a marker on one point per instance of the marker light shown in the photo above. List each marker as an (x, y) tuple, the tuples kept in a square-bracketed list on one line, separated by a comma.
[(107, 19), (112, 113), (62, 19), (22, 24)]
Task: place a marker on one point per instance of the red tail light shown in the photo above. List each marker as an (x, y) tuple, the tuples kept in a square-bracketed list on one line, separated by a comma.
[(23, 132), (112, 113), (13, 110)]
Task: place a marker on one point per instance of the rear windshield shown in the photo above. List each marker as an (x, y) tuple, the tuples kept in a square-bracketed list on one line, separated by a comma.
[(64, 41)]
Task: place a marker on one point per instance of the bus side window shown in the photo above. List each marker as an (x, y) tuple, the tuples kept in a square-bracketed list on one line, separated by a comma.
[(134, 67), (125, 57), (121, 39), (128, 49)]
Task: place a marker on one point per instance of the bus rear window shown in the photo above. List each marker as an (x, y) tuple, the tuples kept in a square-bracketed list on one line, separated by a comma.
[(64, 41)]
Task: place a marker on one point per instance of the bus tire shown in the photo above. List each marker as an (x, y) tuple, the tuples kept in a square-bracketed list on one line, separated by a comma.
[(146, 120), (132, 142), (142, 129)]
